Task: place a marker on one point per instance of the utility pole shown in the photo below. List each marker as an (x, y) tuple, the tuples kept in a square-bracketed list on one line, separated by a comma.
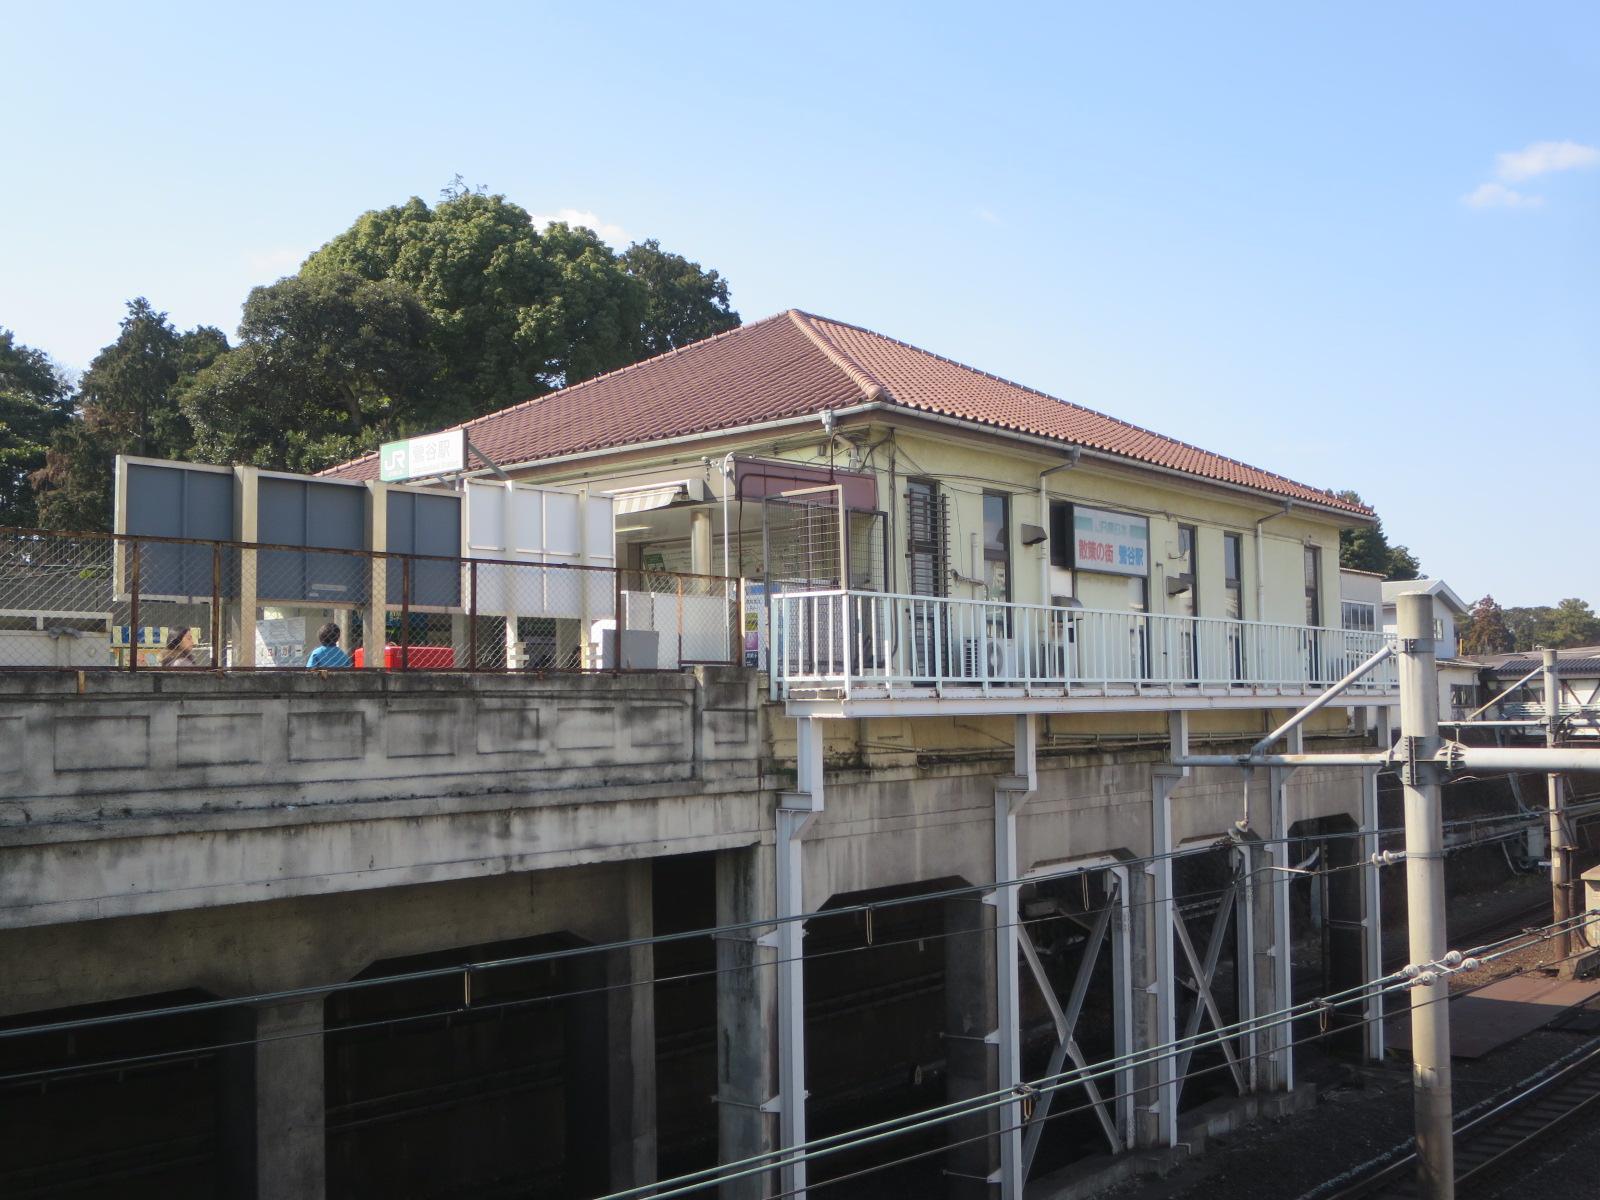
[(1560, 843), (1430, 994)]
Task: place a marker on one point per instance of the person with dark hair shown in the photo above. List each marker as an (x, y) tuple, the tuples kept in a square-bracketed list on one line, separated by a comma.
[(328, 654), (180, 649)]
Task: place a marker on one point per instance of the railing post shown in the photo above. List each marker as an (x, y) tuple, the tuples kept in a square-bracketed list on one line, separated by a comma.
[(133, 609), (983, 644), (217, 657), (405, 612), (846, 627), (617, 620), (472, 615)]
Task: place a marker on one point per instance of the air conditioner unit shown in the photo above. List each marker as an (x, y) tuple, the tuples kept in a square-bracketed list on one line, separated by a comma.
[(1001, 659)]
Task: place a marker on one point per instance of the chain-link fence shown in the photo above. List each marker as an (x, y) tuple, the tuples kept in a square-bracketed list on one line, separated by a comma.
[(83, 601)]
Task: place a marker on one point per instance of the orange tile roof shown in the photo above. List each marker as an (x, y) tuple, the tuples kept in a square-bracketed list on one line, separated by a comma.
[(796, 364)]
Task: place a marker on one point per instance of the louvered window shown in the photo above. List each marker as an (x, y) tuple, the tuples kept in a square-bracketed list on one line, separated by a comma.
[(927, 539)]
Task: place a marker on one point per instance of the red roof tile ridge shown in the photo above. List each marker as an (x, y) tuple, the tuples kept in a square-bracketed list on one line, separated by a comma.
[(1332, 499), (532, 400), (871, 388)]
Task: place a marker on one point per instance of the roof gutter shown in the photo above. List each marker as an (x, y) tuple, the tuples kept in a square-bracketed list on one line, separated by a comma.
[(889, 406), (1106, 456), (685, 439)]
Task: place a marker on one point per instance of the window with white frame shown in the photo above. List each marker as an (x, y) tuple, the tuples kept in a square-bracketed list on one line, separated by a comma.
[(1355, 614)]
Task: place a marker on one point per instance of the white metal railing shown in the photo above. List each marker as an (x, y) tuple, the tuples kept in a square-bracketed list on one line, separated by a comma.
[(843, 639)]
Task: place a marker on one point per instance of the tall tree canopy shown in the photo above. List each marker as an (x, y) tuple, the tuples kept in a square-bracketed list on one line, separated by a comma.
[(127, 404), (1368, 549), (35, 403), (683, 301), (414, 318), (1485, 630), (1493, 630), (518, 312), (326, 367)]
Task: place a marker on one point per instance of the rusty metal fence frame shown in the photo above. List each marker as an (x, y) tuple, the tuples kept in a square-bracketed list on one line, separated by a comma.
[(117, 579)]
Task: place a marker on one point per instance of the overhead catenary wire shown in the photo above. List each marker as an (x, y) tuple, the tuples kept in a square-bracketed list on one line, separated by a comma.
[(1393, 981), (478, 966), (836, 1142), (1189, 899), (1056, 1114), (312, 990), (820, 1147)]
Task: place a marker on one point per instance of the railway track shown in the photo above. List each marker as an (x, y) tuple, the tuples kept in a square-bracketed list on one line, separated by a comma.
[(1494, 1140)]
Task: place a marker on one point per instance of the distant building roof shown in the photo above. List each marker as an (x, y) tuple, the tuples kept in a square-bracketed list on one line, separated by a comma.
[(1574, 660), (794, 365), (1394, 588)]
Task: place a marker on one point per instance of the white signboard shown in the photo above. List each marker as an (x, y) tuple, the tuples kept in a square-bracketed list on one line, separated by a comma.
[(1118, 543), (433, 454), (518, 524), (281, 642)]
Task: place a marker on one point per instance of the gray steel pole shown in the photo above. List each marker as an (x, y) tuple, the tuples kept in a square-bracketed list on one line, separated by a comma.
[(1560, 847), (1430, 1009)]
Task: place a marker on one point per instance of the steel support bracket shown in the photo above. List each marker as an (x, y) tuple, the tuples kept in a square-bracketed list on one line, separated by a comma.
[(1413, 766), (1417, 645), (798, 802)]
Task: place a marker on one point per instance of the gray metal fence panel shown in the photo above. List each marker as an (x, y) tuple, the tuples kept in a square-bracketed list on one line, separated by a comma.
[(174, 500), (316, 515), (426, 524)]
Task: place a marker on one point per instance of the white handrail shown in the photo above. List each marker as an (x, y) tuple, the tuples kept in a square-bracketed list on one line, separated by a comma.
[(842, 638)]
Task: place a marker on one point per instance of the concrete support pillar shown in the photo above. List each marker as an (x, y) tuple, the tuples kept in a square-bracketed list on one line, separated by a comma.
[(1141, 984), (796, 811), (1371, 913), (1010, 795), (1561, 847), (1383, 731), (631, 1016), (373, 631), (1163, 1103), (273, 1105), (242, 630), (747, 1018), (1425, 897), (1270, 932), (700, 540), (971, 1053)]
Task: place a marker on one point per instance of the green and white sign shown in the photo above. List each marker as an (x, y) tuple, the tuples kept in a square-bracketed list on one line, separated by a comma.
[(432, 454)]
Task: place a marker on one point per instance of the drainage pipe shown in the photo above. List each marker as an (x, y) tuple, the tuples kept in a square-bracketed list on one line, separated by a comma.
[(1261, 560)]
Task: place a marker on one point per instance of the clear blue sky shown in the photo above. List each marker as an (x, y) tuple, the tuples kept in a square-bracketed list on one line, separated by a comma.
[(1283, 232)]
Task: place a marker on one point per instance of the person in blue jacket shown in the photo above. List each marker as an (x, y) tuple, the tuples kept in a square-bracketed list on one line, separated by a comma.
[(328, 654)]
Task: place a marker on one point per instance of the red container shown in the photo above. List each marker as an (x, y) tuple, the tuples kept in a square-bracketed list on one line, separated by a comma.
[(418, 658)]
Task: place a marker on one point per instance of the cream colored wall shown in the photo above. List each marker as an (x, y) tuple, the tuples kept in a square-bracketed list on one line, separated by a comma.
[(965, 469), (965, 465)]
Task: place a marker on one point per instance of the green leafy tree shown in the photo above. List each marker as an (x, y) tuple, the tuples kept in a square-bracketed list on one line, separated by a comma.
[(518, 312), (327, 366), (1368, 549), (35, 403), (1528, 625), (1572, 623), (684, 302), (1486, 631), (127, 404)]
